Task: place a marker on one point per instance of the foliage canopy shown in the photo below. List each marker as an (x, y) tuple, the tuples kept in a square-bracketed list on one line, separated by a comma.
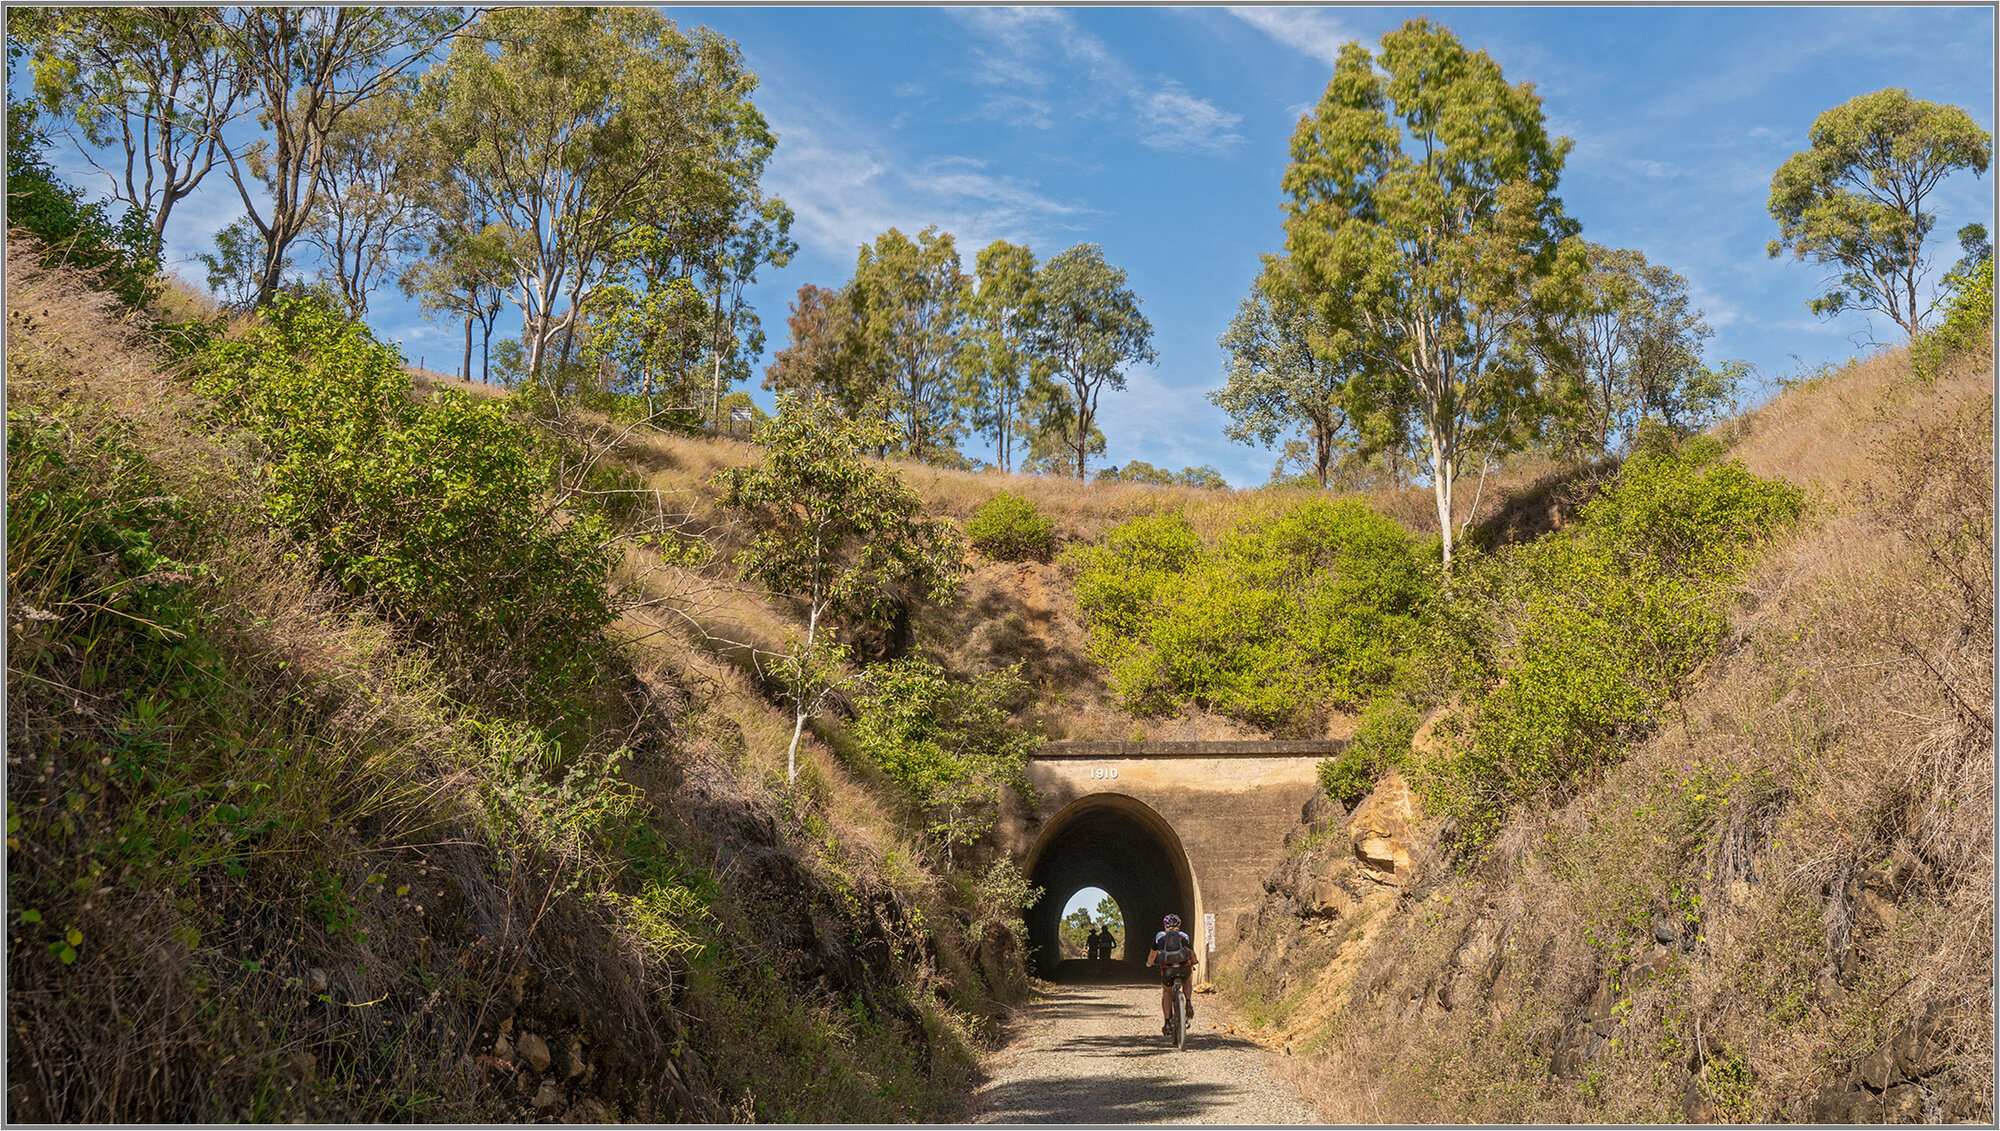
[(1285, 617), (1423, 220), (1855, 199)]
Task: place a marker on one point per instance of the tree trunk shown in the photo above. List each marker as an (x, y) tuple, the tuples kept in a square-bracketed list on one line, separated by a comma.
[(465, 371), (1083, 421), (536, 343), (1443, 472)]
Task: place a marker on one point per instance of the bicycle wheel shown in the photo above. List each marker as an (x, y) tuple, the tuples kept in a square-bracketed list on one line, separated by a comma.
[(1180, 1015)]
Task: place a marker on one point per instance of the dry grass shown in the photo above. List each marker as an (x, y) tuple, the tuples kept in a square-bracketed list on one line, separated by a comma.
[(1821, 433), (181, 300)]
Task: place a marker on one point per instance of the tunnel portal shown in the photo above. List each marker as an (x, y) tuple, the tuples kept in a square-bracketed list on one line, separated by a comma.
[(1114, 842)]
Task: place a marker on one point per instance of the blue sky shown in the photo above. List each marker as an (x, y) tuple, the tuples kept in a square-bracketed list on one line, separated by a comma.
[(1161, 135)]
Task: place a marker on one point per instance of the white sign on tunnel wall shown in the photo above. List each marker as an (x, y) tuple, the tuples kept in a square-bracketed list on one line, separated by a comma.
[(1104, 771), (1208, 926)]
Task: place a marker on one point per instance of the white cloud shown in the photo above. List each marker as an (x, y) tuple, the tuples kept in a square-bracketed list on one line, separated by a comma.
[(1172, 427), (1074, 73), (1310, 31), (991, 68), (1178, 121), (1716, 310), (846, 187), (1030, 113)]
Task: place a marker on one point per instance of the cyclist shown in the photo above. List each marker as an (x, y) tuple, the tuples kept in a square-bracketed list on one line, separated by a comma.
[(1173, 952)]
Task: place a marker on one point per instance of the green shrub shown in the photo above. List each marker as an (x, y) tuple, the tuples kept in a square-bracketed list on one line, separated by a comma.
[(1380, 744), (1126, 581), (948, 743), (1009, 528), (1606, 622), (1967, 321), (1286, 616), (1968, 315), (119, 253), (438, 512)]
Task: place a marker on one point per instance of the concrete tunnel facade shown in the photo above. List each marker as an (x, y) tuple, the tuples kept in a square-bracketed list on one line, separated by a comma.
[(1117, 843), (1186, 827)]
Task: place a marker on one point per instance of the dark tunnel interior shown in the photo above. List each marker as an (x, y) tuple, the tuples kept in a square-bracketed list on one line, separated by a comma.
[(1116, 843)]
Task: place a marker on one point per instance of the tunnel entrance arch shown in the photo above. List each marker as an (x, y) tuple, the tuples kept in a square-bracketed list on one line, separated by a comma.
[(1122, 845)]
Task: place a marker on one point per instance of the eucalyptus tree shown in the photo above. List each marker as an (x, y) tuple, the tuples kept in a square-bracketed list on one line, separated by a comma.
[(650, 322), (236, 266), (822, 358), (152, 86), (1046, 424), (573, 124), (842, 537), (1976, 249), (910, 299), (306, 68), (747, 229), (1422, 214), (463, 272), (1626, 347), (1003, 310), (1087, 329), (369, 215), (1855, 199), (1282, 374), (757, 232)]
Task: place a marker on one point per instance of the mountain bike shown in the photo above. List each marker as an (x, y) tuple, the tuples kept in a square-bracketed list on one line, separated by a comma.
[(1177, 1015)]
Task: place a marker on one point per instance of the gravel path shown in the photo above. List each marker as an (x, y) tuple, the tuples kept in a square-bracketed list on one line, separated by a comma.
[(1093, 1053)]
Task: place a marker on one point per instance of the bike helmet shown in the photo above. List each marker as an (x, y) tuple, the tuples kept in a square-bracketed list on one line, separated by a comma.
[(1173, 922)]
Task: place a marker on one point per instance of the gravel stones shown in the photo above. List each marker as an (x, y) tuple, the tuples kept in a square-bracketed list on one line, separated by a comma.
[(1093, 1054)]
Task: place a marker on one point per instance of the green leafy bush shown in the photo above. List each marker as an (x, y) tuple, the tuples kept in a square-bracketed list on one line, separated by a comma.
[(948, 743), (1009, 528), (439, 512), (1380, 743), (1604, 624), (119, 253), (1967, 321), (1286, 616)]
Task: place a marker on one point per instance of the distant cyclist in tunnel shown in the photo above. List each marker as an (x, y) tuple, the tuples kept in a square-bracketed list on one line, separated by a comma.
[(1173, 953)]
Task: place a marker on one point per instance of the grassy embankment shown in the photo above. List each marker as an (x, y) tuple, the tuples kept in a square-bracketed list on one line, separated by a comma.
[(281, 847), (1775, 903)]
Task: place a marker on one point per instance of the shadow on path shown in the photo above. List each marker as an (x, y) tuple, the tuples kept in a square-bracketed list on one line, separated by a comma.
[(1153, 1044), (1083, 972), (1126, 1099)]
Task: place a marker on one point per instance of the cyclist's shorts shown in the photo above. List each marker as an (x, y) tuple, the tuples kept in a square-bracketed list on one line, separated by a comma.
[(1175, 973)]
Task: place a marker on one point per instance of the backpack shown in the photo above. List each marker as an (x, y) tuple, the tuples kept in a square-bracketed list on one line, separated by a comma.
[(1174, 949)]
